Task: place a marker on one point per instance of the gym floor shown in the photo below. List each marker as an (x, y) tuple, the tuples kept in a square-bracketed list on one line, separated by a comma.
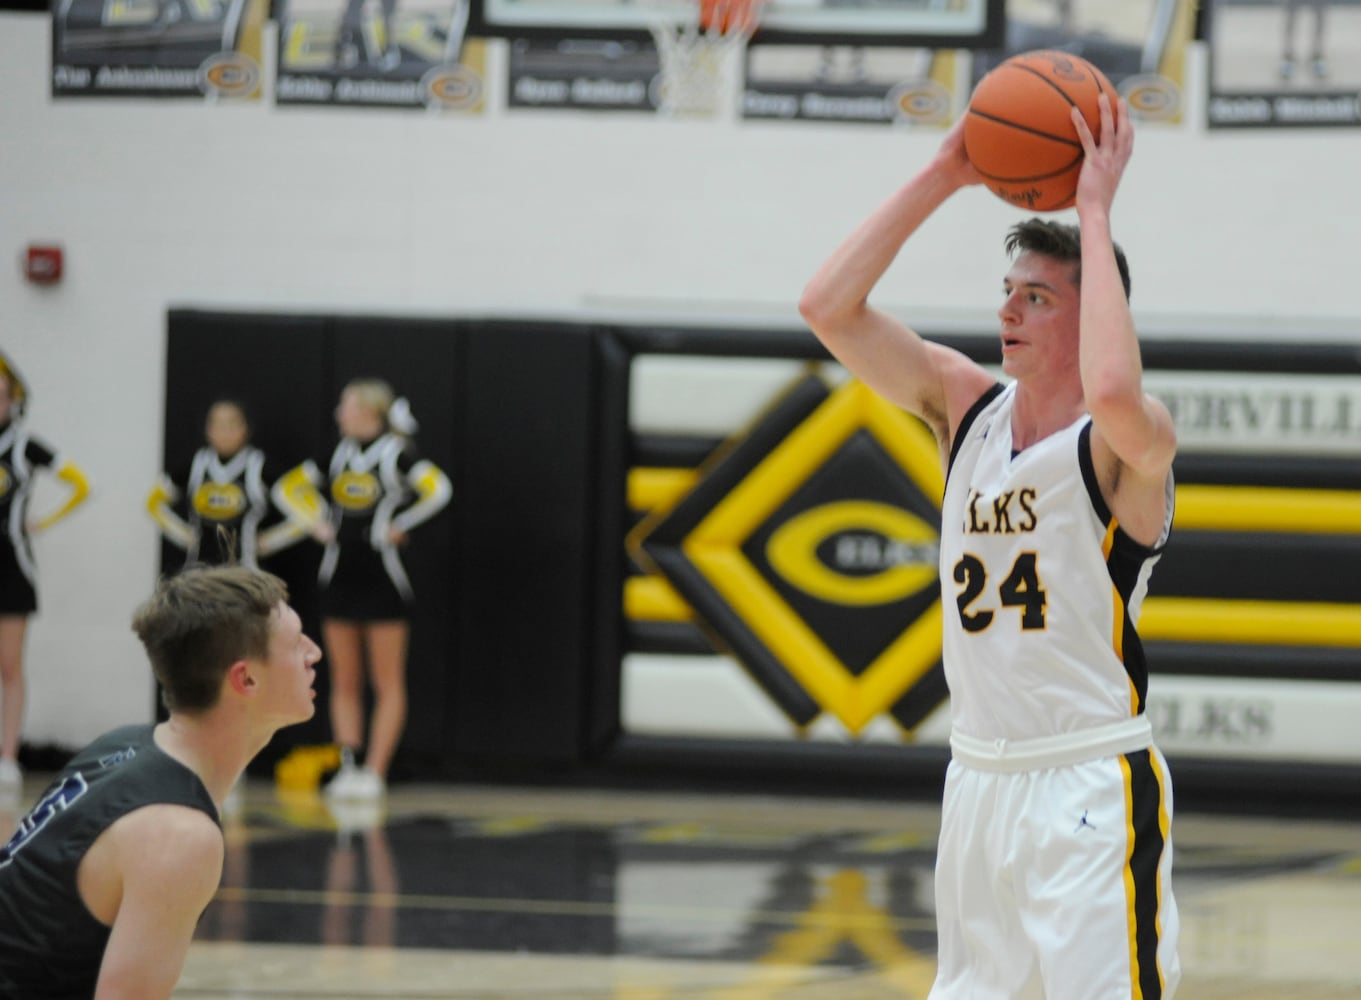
[(571, 894)]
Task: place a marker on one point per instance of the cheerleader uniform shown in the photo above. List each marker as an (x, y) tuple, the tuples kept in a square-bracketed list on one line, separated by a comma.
[(370, 488), (226, 500), (21, 455)]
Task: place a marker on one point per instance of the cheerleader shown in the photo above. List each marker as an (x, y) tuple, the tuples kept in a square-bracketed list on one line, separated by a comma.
[(375, 491), (21, 456), (224, 496)]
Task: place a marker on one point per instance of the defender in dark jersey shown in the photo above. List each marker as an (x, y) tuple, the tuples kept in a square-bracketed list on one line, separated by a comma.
[(104, 880), (21, 456), (225, 497), (377, 490)]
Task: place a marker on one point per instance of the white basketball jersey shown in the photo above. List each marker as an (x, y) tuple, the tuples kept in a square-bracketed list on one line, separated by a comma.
[(1040, 586)]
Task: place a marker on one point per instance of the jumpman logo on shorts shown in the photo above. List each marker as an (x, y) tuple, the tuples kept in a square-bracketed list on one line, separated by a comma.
[(1083, 822)]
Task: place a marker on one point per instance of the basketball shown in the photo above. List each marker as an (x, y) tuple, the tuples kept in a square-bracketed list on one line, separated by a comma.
[(1019, 133)]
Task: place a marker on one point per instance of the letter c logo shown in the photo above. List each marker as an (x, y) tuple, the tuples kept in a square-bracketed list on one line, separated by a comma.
[(793, 553)]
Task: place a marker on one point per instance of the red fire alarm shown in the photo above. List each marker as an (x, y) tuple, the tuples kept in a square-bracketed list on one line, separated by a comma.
[(42, 264)]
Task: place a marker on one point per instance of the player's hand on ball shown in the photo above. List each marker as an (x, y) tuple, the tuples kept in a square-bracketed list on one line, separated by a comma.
[(954, 159), (1104, 159)]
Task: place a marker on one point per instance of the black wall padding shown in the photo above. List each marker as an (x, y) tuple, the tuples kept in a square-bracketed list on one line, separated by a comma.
[(611, 564), (526, 569)]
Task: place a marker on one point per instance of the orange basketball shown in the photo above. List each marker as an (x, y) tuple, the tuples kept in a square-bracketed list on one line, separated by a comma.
[(1019, 133)]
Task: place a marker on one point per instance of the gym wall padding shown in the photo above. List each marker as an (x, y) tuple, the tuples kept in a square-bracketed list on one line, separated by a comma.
[(535, 680)]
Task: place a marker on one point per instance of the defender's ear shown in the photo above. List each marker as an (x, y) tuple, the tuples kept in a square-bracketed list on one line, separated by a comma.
[(240, 678)]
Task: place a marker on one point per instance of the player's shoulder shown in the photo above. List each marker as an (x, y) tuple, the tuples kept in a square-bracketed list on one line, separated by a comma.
[(164, 820), (963, 378), (167, 838), (969, 388), (165, 856)]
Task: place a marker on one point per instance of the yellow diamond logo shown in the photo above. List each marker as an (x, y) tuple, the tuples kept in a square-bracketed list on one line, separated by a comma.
[(809, 547)]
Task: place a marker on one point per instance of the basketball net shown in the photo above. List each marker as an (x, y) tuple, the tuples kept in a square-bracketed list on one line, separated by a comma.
[(701, 53)]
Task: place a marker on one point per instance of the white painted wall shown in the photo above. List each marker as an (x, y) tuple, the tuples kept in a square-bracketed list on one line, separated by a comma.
[(256, 207)]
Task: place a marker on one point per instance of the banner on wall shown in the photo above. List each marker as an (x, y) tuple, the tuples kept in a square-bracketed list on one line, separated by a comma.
[(853, 60), (158, 48), (1284, 63), (583, 74), (379, 53), (846, 83), (1139, 44)]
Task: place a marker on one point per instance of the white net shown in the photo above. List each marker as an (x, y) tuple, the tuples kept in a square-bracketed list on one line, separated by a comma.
[(701, 48)]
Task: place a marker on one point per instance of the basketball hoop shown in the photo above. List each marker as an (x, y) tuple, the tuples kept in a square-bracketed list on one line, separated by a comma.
[(701, 52)]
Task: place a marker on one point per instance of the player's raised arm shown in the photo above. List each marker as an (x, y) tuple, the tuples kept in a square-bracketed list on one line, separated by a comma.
[(932, 381), (1136, 427)]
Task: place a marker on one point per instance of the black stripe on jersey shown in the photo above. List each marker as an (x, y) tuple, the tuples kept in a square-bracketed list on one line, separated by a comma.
[(962, 431), (1145, 826), (1088, 466), (1124, 564)]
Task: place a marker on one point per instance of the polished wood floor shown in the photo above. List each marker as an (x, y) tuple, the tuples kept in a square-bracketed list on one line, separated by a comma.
[(554, 894)]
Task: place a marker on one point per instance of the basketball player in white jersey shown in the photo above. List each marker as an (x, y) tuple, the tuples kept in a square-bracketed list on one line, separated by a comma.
[(1054, 865)]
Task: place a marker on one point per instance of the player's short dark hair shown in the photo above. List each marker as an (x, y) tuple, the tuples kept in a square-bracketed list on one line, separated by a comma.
[(1060, 241), (201, 621)]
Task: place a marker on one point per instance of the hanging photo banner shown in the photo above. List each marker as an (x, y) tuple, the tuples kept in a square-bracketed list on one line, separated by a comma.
[(848, 61), (878, 85), (1139, 44), (379, 53), (158, 48), (1284, 64), (582, 74)]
